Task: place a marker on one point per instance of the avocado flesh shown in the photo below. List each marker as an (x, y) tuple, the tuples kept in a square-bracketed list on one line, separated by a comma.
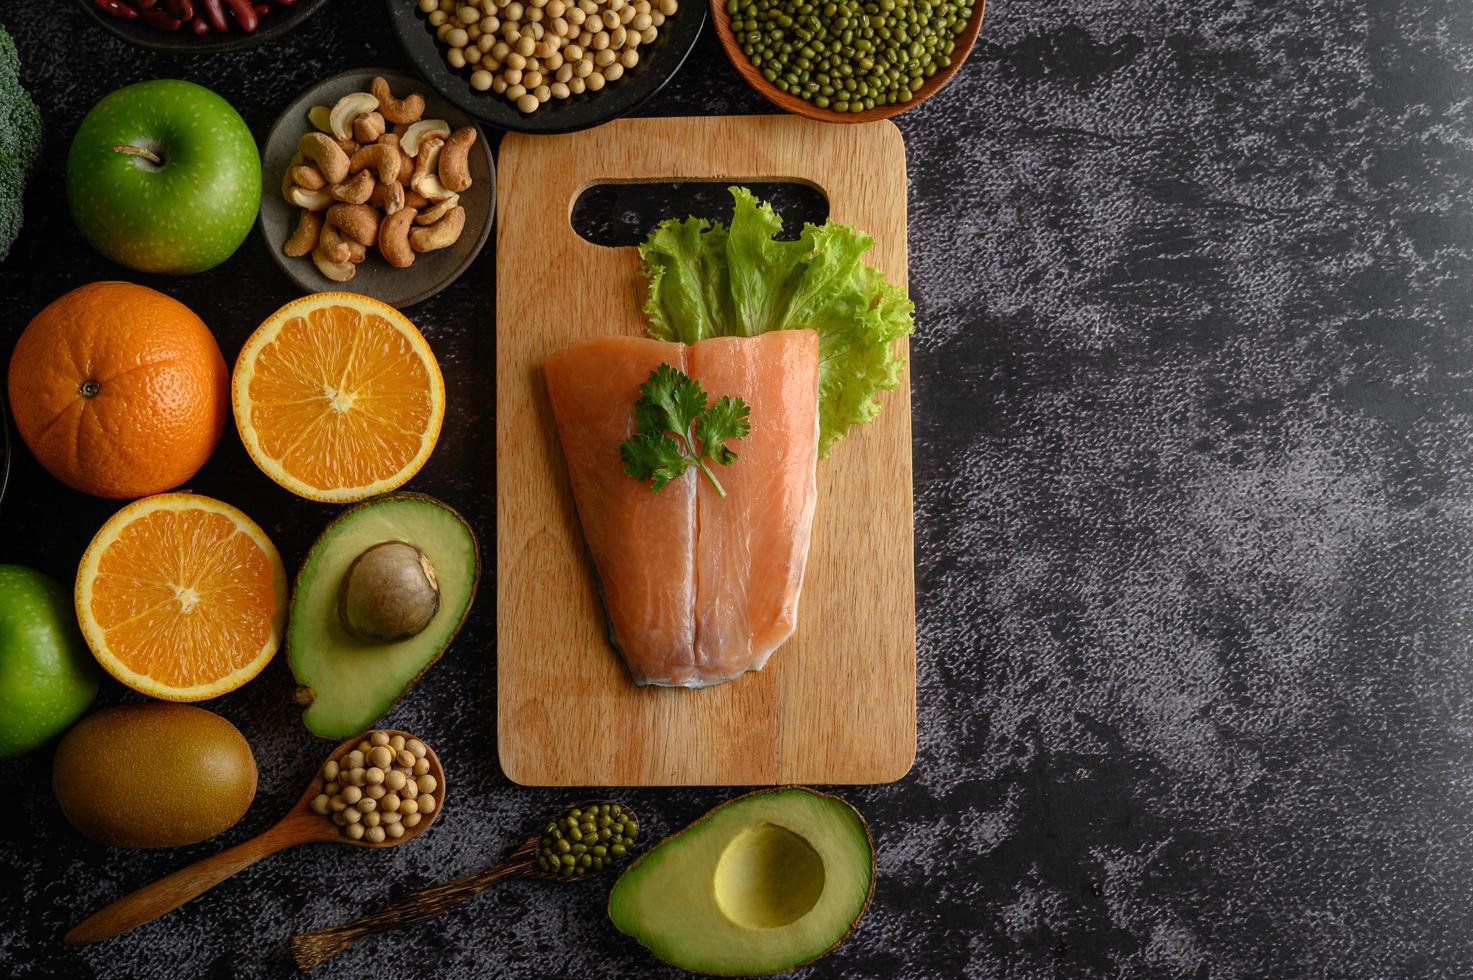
[(353, 683), (759, 885)]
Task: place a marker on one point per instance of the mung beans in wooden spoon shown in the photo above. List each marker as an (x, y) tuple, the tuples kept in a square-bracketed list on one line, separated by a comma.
[(569, 845)]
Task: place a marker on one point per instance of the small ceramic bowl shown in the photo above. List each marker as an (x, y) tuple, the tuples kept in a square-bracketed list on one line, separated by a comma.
[(431, 271), (792, 103), (658, 63), (184, 41)]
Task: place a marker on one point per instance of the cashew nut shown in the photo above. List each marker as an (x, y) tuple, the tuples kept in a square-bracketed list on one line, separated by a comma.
[(355, 191), (432, 189), (382, 192), (420, 132), (393, 238), (376, 173), (441, 234), (321, 117), (406, 162), (425, 160), (356, 221), (438, 211), (304, 239), (393, 197), (336, 271), (424, 179), (454, 166), (368, 127), (311, 200), (406, 110), (384, 160), (330, 159), (333, 246), (307, 176), (347, 109)]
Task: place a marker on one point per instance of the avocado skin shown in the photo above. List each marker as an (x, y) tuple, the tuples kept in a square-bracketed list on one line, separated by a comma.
[(305, 696), (693, 825)]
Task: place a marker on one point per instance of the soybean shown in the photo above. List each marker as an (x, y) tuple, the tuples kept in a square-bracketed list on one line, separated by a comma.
[(381, 788), (518, 51)]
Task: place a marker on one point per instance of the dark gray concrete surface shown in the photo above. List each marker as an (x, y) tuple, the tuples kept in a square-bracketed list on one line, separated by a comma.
[(1194, 494)]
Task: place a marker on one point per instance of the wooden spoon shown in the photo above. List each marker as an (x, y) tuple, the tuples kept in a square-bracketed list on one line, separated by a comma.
[(300, 826), (312, 949)]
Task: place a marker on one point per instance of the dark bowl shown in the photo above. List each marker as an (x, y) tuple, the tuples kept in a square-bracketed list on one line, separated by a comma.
[(430, 272), (280, 21), (658, 64)]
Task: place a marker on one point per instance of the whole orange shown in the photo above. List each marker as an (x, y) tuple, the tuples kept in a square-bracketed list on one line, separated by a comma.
[(119, 390)]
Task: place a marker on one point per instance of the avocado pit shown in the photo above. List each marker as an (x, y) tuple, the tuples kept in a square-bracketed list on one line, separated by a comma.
[(389, 593)]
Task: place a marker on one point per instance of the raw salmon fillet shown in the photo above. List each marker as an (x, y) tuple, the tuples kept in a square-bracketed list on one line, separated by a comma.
[(698, 588)]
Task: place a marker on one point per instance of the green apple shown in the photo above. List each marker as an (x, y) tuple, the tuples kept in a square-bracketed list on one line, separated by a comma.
[(47, 674), (164, 176)]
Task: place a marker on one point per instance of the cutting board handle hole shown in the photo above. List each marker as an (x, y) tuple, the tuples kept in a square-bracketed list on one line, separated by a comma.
[(621, 214)]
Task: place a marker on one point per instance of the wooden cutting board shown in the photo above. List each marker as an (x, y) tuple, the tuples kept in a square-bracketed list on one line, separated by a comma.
[(836, 703)]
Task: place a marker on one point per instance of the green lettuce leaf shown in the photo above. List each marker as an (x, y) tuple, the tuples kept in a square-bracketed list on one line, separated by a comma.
[(708, 280)]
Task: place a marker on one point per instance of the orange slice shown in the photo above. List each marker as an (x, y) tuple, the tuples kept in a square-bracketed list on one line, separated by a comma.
[(338, 397), (181, 597)]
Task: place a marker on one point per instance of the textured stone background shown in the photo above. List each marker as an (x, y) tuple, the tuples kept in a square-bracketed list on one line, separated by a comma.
[(1194, 481)]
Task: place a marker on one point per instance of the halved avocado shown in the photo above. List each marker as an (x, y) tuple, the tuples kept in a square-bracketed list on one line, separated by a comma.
[(349, 683), (764, 883)]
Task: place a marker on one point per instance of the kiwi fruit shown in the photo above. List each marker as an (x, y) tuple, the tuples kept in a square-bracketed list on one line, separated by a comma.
[(153, 775)]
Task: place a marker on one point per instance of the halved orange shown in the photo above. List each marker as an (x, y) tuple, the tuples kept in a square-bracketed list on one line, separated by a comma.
[(338, 397), (181, 597)]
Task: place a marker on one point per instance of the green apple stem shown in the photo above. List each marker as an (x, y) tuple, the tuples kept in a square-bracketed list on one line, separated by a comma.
[(139, 151)]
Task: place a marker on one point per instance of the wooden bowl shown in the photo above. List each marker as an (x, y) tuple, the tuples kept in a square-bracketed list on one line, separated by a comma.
[(792, 103)]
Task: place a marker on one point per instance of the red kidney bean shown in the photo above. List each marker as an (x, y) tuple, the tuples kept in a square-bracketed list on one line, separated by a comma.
[(162, 19), (244, 14), (201, 16), (215, 14), (118, 9)]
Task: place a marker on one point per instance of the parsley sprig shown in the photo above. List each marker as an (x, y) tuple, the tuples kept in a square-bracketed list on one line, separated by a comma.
[(676, 429)]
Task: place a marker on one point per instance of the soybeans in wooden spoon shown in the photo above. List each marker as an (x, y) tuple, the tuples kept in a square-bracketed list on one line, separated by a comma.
[(309, 820)]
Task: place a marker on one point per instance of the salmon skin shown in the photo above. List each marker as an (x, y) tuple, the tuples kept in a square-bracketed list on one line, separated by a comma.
[(698, 588)]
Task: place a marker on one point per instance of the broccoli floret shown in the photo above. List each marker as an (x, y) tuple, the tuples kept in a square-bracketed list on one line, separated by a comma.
[(20, 142)]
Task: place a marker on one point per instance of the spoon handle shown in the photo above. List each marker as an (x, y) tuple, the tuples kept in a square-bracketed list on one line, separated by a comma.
[(311, 949), (168, 893)]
